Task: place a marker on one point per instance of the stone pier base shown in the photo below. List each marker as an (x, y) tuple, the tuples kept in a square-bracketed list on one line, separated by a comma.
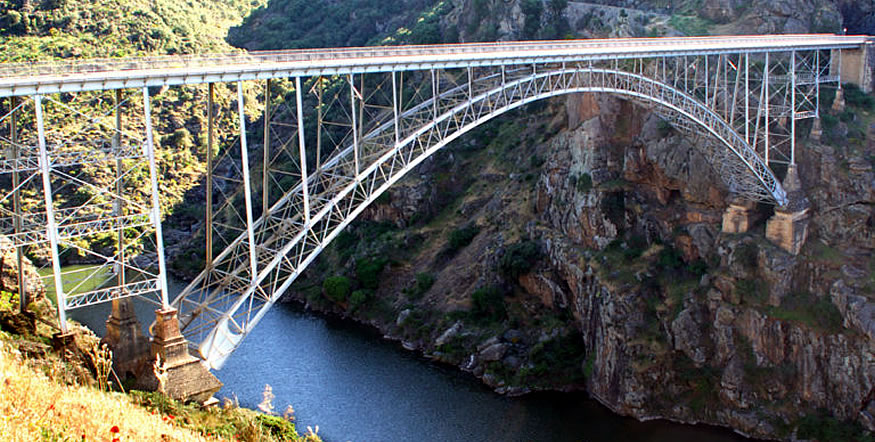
[(739, 217), (64, 343), (180, 375), (838, 103), (816, 130), (788, 230), (124, 336)]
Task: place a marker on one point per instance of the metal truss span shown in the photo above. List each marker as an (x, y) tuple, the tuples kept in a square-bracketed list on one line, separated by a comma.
[(340, 127), (225, 302)]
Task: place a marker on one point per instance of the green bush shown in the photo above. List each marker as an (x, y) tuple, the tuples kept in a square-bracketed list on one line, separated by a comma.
[(856, 97), (698, 267), (358, 298), (669, 258), (828, 121), (814, 311), (532, 9), (424, 281), (847, 116), (519, 258), (488, 303), (336, 288), (368, 271), (277, 427), (462, 237), (344, 243), (634, 248), (613, 205), (584, 183), (825, 428)]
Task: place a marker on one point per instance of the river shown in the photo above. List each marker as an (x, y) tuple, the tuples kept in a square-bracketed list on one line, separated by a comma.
[(355, 386)]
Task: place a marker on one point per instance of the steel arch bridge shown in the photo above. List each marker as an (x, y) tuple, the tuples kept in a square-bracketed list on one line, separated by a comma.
[(340, 127)]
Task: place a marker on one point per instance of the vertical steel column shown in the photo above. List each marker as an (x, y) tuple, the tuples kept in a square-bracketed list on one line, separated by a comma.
[(767, 103), (434, 95), (305, 187), (504, 83), (361, 125), (319, 92), (396, 104), (686, 75), (118, 204), (16, 202), (734, 109), (707, 79), (747, 98), (817, 84), (792, 108), (156, 204), (265, 178), (355, 126), (471, 85), (51, 225), (726, 63), (247, 186), (209, 185)]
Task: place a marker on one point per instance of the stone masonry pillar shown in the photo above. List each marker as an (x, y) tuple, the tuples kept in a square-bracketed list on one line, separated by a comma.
[(788, 228), (838, 104), (180, 376), (816, 130), (740, 216), (124, 336)]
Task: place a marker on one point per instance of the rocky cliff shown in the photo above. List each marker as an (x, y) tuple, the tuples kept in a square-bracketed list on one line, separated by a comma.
[(576, 244)]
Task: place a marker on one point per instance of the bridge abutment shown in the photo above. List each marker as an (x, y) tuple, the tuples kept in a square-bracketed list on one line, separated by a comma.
[(788, 228), (857, 65), (174, 371)]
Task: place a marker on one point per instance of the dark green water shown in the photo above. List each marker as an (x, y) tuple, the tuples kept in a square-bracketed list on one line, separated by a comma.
[(357, 387)]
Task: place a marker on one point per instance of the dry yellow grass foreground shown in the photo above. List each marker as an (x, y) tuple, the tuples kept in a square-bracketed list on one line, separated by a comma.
[(34, 407)]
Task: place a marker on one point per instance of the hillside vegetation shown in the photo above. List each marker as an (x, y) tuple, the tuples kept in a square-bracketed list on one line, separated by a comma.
[(293, 24), (47, 29), (32, 30)]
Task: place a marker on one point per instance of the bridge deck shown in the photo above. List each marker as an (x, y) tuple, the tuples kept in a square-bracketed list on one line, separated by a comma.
[(104, 74)]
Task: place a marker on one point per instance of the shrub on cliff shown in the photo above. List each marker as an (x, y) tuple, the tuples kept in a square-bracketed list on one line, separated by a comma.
[(519, 258), (336, 288), (368, 271), (358, 298), (488, 303), (460, 238)]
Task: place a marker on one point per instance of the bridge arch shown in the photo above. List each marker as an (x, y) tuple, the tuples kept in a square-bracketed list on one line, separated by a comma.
[(222, 305)]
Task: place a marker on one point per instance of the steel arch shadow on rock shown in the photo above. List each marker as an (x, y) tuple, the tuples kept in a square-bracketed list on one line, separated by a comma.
[(216, 319)]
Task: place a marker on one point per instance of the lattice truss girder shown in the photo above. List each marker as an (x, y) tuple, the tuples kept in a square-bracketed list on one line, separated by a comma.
[(349, 137), (74, 189)]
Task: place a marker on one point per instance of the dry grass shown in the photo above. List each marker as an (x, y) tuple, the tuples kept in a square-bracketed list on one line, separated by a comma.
[(35, 407)]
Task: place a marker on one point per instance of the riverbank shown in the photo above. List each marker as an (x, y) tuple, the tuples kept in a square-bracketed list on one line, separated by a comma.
[(356, 386)]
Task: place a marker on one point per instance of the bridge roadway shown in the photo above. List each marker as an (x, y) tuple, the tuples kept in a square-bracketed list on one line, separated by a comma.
[(20, 79)]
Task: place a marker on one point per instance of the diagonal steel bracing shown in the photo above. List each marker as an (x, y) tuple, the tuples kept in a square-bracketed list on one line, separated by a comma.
[(341, 126)]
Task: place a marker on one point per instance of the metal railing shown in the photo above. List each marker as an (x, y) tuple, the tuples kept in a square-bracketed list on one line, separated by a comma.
[(620, 46)]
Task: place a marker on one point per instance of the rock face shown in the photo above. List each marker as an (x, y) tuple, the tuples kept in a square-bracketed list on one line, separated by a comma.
[(634, 293), (733, 348), (9, 272), (624, 211)]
